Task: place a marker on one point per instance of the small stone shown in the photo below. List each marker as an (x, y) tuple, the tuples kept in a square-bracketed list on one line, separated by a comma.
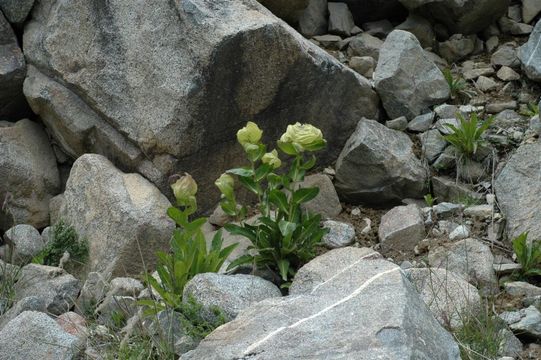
[(521, 288), (492, 43), (329, 41), (442, 125), (472, 74), (514, 13), (421, 123), (446, 111), (401, 228), (479, 211), (27, 243), (356, 212), (399, 124), (495, 108), (340, 234), (433, 144), (530, 9), (461, 232), (73, 324), (340, 19), (506, 269), (506, 55), (368, 228), (484, 84), (507, 74), (364, 65), (456, 48), (326, 203), (526, 322), (365, 45), (444, 209)]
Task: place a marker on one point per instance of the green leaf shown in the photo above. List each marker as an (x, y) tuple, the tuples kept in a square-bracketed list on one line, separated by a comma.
[(242, 231), (245, 259), (287, 228), (304, 195), (262, 172), (178, 216), (241, 172), (250, 184), (283, 266), (287, 148), (279, 199)]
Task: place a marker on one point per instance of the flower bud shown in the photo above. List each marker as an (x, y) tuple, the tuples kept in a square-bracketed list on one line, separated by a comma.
[(184, 188), (272, 159), (226, 184), (249, 135), (303, 137)]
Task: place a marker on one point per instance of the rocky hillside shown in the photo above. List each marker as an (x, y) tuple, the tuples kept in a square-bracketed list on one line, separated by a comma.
[(415, 235)]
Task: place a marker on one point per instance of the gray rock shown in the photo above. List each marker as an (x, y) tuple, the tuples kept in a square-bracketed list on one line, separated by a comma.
[(340, 19), (328, 41), (479, 211), (29, 303), (517, 187), (510, 345), (512, 27), (366, 306), (230, 293), (16, 11), (377, 165), (447, 189), (158, 109), (461, 232), (485, 84), (326, 203), (449, 297), (492, 43), (288, 10), (507, 74), (26, 242), (470, 259), (514, 13), (340, 234), (506, 269), (401, 228), (403, 62), (506, 55), (442, 125), (433, 144), (29, 174), (123, 216), (447, 160), (34, 336), (530, 9), (460, 16), (13, 105), (535, 125), (530, 53), (456, 48), (421, 123), (57, 288), (421, 28), (399, 124), (509, 118), (364, 65), (116, 310), (365, 45), (474, 73), (446, 111), (498, 107), (446, 209), (92, 292), (313, 20), (525, 322), (521, 288)]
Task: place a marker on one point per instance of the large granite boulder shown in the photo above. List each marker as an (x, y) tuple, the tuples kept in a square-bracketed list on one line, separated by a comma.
[(29, 174), (518, 187), (529, 54), (35, 336), (158, 85), (13, 105), (347, 304), (378, 166), (407, 81), (123, 216), (460, 16)]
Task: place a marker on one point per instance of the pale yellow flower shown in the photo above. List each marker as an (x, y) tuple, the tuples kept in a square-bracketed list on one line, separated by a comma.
[(249, 135), (184, 188), (272, 159)]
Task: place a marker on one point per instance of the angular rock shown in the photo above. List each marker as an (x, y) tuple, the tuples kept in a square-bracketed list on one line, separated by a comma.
[(13, 105), (449, 297), (402, 63), (506, 55), (525, 322), (340, 234), (447, 189), (73, 324), (530, 54), (479, 211), (92, 292), (230, 293), (35, 336), (530, 9), (399, 124), (29, 303), (16, 11), (313, 20), (421, 28), (433, 144), (460, 16), (326, 203), (123, 216), (329, 41), (401, 228), (340, 19), (26, 242), (498, 107), (507, 74), (421, 123), (485, 84), (366, 308), (288, 10), (459, 233), (57, 288), (377, 166), (468, 258), (29, 174), (364, 65), (517, 187), (365, 45), (206, 68), (456, 48), (521, 288)]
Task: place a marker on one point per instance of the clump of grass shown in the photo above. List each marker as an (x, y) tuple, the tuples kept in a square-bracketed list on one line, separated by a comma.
[(480, 336), (430, 200), (528, 255), (467, 200), (64, 239), (9, 275), (197, 321), (467, 136), (457, 86), (531, 110)]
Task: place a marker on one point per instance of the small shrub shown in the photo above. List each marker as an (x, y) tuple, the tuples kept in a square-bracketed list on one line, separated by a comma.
[(528, 255), (285, 235), (189, 255), (9, 274), (457, 86), (467, 137), (429, 200), (531, 110), (199, 322), (64, 238)]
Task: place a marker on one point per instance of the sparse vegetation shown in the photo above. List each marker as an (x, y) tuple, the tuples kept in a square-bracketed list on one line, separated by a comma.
[(429, 200), (63, 239), (285, 235), (528, 255), (197, 321), (457, 86), (9, 274), (531, 110), (467, 136)]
